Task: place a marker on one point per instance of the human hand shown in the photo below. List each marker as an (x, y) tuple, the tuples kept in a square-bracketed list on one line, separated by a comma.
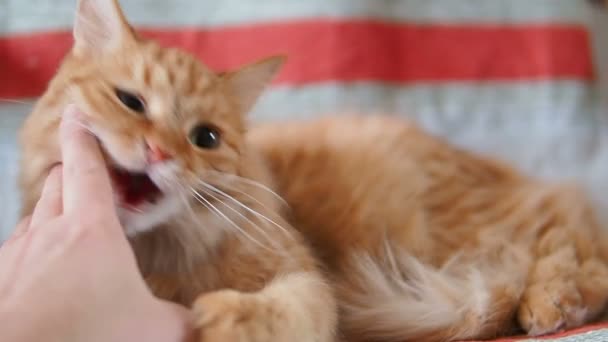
[(68, 272)]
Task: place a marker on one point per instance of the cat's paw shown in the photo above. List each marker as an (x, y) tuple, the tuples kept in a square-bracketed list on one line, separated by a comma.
[(550, 307), (232, 316)]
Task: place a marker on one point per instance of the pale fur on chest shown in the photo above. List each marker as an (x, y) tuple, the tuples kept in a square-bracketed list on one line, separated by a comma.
[(201, 251)]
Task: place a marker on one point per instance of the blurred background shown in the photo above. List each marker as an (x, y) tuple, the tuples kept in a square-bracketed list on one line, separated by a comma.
[(524, 80)]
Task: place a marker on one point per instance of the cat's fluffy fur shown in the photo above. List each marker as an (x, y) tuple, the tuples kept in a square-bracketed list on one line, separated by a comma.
[(426, 242), (421, 241)]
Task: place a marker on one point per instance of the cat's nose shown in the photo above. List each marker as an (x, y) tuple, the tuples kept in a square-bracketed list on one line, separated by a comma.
[(156, 154)]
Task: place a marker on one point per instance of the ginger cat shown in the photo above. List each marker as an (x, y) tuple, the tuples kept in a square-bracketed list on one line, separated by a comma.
[(426, 242), (189, 191), (422, 241)]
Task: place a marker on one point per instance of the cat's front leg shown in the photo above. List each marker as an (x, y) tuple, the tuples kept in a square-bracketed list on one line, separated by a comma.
[(294, 307)]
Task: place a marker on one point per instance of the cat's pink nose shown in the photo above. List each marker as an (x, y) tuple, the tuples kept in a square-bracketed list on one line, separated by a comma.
[(156, 154)]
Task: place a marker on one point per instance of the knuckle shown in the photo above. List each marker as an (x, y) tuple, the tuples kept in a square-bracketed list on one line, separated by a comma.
[(79, 231)]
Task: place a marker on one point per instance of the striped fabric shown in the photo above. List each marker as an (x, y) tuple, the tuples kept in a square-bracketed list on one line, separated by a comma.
[(519, 79), (523, 71)]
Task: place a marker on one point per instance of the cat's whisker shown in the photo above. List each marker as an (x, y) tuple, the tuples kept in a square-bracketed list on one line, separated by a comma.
[(188, 206), (187, 236), (137, 210), (241, 192), (239, 203), (17, 101), (200, 199), (215, 211), (255, 225), (184, 199), (250, 182), (179, 190), (183, 194), (213, 208)]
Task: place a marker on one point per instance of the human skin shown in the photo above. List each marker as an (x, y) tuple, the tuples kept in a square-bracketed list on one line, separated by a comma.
[(67, 273)]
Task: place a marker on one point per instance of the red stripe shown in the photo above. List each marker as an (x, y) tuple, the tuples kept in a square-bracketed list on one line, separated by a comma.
[(351, 50)]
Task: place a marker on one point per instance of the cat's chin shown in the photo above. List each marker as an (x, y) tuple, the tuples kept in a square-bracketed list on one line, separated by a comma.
[(148, 215)]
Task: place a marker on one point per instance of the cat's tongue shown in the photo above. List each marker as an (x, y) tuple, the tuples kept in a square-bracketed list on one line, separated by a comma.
[(134, 188)]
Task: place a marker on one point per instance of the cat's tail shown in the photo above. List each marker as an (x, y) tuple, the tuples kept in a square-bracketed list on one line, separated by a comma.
[(398, 298)]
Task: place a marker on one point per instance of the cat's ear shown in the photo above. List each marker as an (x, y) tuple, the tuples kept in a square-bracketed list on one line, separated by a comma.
[(100, 27), (248, 82)]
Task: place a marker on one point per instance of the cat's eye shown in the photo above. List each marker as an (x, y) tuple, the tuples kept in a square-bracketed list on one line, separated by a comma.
[(205, 136), (132, 101)]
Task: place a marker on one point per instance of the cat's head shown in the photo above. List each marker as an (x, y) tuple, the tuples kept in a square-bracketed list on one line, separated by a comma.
[(163, 119)]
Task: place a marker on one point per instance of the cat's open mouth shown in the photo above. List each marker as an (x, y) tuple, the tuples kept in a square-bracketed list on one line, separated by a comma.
[(134, 189)]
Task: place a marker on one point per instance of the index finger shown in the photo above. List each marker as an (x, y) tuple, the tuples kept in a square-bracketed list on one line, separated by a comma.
[(86, 183)]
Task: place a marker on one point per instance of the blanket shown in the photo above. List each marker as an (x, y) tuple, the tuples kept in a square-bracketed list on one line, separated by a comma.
[(590, 333)]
